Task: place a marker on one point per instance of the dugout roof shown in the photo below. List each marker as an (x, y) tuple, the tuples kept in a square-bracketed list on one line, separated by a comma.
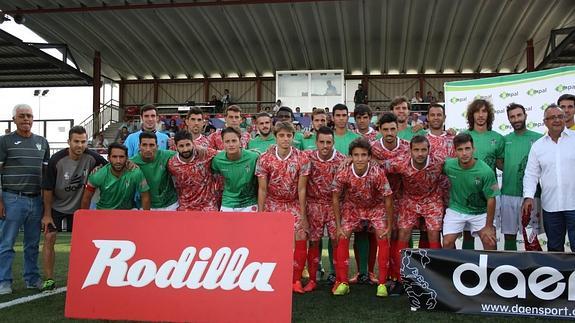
[(141, 39)]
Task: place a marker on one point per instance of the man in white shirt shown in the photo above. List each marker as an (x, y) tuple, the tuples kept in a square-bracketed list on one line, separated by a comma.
[(550, 163)]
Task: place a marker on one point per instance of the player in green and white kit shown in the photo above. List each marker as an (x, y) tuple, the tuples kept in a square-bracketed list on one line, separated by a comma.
[(237, 166), (471, 196), (343, 136), (265, 138), (154, 164), (517, 147), (117, 184)]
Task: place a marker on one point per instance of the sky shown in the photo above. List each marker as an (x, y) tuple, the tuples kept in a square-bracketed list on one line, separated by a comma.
[(60, 102)]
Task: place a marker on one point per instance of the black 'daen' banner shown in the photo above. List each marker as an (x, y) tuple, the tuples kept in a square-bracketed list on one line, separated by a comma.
[(490, 282)]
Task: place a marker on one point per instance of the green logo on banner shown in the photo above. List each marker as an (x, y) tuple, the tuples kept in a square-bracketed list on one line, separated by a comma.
[(544, 106), (532, 92), (504, 127), (531, 125), (561, 88), (457, 100), (483, 97), (505, 95)]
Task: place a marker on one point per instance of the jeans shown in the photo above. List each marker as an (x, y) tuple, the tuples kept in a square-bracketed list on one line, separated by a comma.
[(556, 224), (20, 211)]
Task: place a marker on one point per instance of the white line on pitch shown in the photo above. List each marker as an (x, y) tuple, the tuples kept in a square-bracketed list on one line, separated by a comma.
[(30, 298)]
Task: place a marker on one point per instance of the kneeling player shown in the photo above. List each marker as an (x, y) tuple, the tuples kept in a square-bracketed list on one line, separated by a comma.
[(363, 186), (282, 178), (471, 196)]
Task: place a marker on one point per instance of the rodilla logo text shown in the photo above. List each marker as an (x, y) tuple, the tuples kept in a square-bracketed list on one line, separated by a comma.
[(539, 281), (226, 269)]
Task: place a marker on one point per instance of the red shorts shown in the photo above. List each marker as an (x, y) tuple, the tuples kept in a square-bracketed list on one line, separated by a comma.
[(320, 216), (353, 218), (291, 207), (430, 209)]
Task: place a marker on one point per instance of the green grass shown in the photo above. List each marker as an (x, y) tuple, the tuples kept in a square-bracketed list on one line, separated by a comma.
[(360, 305)]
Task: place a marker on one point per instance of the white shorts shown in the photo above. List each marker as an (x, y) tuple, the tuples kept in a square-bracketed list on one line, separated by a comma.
[(455, 222), (251, 208), (511, 213), (173, 207)]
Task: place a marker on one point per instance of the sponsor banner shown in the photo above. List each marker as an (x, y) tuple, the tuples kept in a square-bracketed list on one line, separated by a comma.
[(181, 266), (534, 90), (490, 282)]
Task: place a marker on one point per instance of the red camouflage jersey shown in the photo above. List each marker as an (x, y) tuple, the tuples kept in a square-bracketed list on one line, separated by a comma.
[(194, 182), (441, 145), (370, 135), (321, 175), (378, 151), (215, 140), (419, 185), (362, 192), (202, 141), (282, 174)]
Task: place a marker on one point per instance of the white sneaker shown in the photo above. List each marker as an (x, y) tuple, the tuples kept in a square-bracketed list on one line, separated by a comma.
[(5, 288)]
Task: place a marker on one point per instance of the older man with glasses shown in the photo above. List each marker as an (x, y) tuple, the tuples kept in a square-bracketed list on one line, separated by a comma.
[(550, 163)]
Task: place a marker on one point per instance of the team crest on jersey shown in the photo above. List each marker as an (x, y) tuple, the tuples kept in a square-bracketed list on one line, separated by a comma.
[(477, 181), (291, 168), (39, 146), (247, 168), (493, 142)]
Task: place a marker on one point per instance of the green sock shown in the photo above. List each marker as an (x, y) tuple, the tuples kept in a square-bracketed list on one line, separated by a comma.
[(468, 244), (510, 245), (410, 242), (330, 256), (362, 241)]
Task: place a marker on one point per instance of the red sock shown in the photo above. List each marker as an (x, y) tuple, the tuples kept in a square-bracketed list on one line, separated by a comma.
[(397, 256), (299, 256), (435, 245), (342, 266), (392, 259), (383, 259), (334, 253), (423, 241), (313, 262), (372, 252)]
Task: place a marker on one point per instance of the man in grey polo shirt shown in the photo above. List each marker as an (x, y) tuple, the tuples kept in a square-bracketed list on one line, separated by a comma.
[(23, 155)]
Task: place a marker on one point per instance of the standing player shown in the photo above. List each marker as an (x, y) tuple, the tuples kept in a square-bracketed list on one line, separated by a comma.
[(318, 120), (190, 169), (118, 185), (389, 146), (400, 107), (62, 188), (237, 166), (471, 196), (324, 162), (233, 119), (343, 136), (489, 145), (363, 188), (517, 147), (420, 199), (149, 118), (285, 114), (195, 122), (362, 115), (265, 138), (440, 141), (282, 177), (154, 164), (567, 103)]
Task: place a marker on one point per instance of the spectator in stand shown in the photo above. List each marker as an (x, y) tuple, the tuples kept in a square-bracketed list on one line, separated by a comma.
[(226, 98), (268, 109), (429, 98), (297, 113), (440, 96), (218, 105), (277, 106), (360, 96), (122, 135), (100, 141), (417, 98)]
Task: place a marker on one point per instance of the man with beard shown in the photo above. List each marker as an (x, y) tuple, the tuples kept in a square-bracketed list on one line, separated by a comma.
[(154, 165), (149, 118), (400, 106), (471, 197), (318, 120), (237, 167), (489, 145), (233, 119), (440, 141), (62, 187), (517, 147), (324, 162), (193, 179), (265, 138), (118, 185), (195, 122)]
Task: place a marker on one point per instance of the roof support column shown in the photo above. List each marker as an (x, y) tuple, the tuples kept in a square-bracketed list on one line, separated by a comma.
[(259, 94), (156, 86), (530, 54), (97, 73), (206, 91), (421, 86)]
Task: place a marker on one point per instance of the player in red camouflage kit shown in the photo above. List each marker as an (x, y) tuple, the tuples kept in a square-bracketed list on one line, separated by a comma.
[(324, 162), (282, 174)]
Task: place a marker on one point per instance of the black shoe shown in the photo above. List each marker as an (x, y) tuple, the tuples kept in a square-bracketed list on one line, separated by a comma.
[(363, 279), (396, 289), (331, 278)]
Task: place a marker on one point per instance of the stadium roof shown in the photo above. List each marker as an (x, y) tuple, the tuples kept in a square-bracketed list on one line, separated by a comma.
[(26, 65), (141, 39)]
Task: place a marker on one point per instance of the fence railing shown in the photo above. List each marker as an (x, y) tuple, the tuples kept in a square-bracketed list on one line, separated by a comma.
[(109, 113)]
